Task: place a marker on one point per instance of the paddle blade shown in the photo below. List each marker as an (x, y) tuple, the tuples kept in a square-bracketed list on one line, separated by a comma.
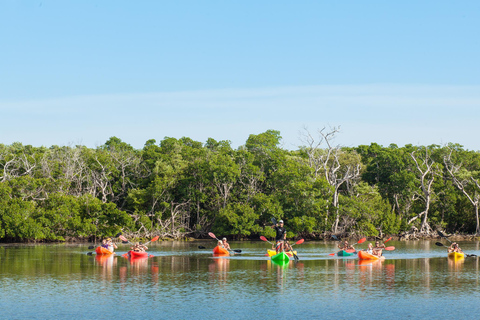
[(362, 240), (331, 254), (212, 235), (440, 244), (300, 241), (387, 240), (441, 234), (239, 251), (118, 235), (201, 247), (155, 239), (334, 237), (123, 238), (389, 248), (89, 253), (274, 221), (91, 247), (263, 238)]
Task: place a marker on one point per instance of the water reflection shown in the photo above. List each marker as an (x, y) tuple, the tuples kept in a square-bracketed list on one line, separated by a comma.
[(219, 270)]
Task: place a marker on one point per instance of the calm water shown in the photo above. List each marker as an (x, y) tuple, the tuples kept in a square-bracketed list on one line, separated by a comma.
[(416, 281)]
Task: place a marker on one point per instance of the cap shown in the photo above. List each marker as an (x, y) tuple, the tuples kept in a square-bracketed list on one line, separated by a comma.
[(281, 221), (108, 239), (224, 239)]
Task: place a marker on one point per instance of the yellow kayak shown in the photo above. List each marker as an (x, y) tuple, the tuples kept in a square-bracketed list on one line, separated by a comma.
[(456, 255), (271, 253)]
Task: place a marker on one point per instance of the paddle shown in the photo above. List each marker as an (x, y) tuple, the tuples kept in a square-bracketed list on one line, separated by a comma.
[(293, 253), (201, 247), (124, 239), (211, 234), (153, 240), (265, 239)]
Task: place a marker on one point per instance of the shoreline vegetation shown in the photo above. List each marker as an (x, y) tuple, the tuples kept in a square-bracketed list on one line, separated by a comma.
[(183, 189)]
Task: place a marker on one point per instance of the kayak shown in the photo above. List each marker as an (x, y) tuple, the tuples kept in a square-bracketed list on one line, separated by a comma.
[(343, 253), (102, 250), (135, 254), (364, 255), (273, 252), (282, 256), (220, 250), (456, 255)]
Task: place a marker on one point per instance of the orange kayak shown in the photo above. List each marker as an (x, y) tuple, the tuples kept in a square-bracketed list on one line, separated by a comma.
[(102, 250), (220, 250), (364, 255)]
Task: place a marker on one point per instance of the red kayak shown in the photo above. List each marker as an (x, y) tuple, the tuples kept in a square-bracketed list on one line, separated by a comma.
[(102, 250), (137, 254), (220, 250)]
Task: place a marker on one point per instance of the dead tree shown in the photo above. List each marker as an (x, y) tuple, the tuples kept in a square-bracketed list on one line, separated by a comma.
[(427, 169), (463, 184), (327, 162)]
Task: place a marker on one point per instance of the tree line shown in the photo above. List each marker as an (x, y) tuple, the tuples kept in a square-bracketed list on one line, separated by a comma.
[(181, 187)]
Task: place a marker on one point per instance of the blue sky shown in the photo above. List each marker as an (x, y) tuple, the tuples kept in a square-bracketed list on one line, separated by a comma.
[(79, 72)]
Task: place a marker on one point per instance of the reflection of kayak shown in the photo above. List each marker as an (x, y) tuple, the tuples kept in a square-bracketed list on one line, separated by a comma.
[(363, 255), (282, 256), (273, 252), (220, 250), (135, 254), (343, 253), (283, 264), (104, 258), (456, 255), (102, 250)]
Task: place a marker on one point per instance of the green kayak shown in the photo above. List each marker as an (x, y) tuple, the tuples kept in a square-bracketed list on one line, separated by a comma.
[(344, 253), (282, 256)]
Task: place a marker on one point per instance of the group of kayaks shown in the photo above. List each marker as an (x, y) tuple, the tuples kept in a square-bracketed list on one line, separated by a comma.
[(130, 254)]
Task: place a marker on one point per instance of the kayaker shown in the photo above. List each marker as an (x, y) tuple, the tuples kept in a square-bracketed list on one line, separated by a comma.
[(110, 245), (369, 248), (288, 247), (454, 248), (280, 236), (345, 246), (138, 247), (225, 244), (104, 244), (377, 251)]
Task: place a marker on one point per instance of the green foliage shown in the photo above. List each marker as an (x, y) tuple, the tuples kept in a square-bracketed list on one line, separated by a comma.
[(237, 219), (179, 187)]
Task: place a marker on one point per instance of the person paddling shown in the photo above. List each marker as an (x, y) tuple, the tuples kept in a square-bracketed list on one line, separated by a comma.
[(454, 248), (345, 246), (377, 250), (110, 245), (281, 233), (137, 247), (369, 249), (104, 244), (225, 244)]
